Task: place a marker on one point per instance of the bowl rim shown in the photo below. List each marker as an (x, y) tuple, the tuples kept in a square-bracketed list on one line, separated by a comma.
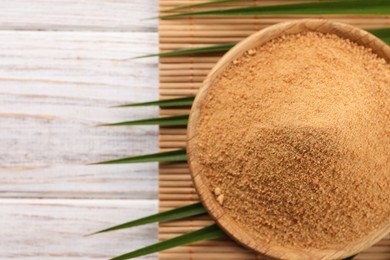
[(207, 198)]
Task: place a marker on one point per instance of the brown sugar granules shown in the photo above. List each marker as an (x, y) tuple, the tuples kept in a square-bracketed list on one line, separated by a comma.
[(295, 137)]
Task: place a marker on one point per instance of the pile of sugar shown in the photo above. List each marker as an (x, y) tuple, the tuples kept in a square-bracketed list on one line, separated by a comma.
[(294, 139)]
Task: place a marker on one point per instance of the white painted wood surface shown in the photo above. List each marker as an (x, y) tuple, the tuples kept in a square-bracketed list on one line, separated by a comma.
[(54, 88), (56, 229), (63, 63), (79, 15)]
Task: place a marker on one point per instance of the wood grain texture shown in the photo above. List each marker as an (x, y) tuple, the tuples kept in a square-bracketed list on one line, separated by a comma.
[(63, 64), (56, 229), (183, 76), (74, 15), (55, 88)]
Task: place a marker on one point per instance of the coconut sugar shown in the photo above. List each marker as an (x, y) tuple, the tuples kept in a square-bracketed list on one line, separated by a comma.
[(294, 141)]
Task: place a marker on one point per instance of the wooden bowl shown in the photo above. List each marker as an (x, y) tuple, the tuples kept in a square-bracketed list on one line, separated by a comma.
[(207, 197)]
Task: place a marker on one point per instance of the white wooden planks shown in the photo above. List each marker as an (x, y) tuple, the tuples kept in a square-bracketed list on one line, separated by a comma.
[(63, 64), (76, 15), (57, 229), (55, 87)]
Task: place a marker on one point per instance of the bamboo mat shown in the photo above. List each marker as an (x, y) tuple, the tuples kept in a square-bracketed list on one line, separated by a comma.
[(182, 76)]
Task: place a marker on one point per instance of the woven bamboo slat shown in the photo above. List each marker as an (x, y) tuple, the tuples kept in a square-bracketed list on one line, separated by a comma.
[(182, 76)]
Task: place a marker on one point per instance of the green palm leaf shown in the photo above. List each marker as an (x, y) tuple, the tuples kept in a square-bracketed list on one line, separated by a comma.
[(175, 214), (210, 232), (328, 7), (200, 4), (175, 102), (172, 156), (181, 120), (383, 33), (208, 49)]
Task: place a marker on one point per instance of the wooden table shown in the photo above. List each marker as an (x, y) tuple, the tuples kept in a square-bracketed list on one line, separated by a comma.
[(62, 65)]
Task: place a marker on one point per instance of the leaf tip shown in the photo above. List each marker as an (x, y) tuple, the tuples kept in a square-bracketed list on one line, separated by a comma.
[(150, 18), (125, 105), (98, 163), (91, 234), (94, 163), (100, 125)]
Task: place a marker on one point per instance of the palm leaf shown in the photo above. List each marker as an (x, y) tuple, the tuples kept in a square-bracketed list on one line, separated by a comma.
[(210, 232), (321, 8), (172, 156), (199, 5), (175, 214), (208, 49), (175, 102), (386, 40), (163, 121), (383, 33)]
